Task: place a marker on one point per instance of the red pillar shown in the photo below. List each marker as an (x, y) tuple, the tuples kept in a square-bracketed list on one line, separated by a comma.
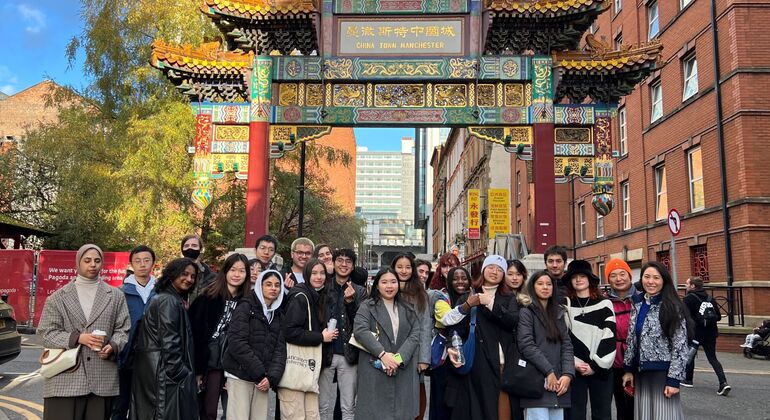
[(258, 184), (258, 192), (545, 187)]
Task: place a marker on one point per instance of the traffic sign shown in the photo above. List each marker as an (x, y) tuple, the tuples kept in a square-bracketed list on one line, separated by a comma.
[(674, 222)]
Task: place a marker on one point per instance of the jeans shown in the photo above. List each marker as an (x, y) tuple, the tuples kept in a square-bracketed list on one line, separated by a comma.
[(624, 404), (327, 389), (599, 388), (710, 348), (544, 413)]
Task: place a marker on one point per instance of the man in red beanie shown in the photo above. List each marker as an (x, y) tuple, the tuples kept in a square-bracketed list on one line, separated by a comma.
[(618, 274)]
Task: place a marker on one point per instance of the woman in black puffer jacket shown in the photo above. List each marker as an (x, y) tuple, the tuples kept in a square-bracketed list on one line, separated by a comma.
[(256, 354)]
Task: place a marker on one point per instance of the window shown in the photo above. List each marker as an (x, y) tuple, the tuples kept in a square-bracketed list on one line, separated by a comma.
[(695, 170), (700, 261), (690, 74), (664, 257), (518, 226), (622, 131), (619, 6), (653, 26), (656, 97), (619, 41), (661, 195), (684, 3), (518, 188), (602, 280), (624, 191), (599, 225), (582, 215)]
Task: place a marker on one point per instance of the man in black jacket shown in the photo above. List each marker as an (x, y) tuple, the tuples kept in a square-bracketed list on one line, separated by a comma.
[(342, 301), (555, 259), (701, 305)]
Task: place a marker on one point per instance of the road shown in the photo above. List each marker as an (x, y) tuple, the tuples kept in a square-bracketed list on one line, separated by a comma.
[(21, 388)]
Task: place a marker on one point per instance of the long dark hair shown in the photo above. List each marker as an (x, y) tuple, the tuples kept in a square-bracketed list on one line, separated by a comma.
[(521, 269), (436, 282), (375, 293), (672, 309), (172, 271), (306, 273), (453, 296), (218, 288), (414, 292), (551, 311)]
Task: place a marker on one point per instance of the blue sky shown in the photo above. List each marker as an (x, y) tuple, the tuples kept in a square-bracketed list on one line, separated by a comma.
[(33, 40)]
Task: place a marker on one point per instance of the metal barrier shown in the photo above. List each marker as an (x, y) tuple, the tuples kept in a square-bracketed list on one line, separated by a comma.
[(721, 295)]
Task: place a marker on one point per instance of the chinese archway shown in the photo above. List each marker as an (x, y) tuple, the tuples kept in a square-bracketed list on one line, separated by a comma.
[(512, 72)]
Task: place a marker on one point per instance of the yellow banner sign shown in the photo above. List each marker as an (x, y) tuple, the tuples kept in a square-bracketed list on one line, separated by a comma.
[(499, 212), (474, 214)]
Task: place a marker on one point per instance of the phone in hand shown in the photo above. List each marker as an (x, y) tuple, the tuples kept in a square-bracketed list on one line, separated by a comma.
[(398, 358), (629, 389)]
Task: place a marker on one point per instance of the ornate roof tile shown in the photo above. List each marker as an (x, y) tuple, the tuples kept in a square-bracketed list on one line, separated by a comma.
[(206, 58), (599, 57), (541, 7), (258, 9)]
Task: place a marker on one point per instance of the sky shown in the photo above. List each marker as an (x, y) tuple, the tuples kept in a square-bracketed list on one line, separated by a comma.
[(33, 40)]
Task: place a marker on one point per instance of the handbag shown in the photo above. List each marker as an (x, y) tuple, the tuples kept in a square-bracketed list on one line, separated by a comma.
[(437, 350), (521, 378), (469, 346), (303, 363), (355, 343), (56, 361)]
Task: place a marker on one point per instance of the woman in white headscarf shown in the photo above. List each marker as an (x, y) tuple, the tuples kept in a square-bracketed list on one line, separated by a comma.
[(256, 352)]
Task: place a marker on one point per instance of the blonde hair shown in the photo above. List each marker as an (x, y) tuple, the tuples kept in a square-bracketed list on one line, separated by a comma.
[(302, 241)]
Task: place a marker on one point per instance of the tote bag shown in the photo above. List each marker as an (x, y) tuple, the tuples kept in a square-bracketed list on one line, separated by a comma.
[(56, 361), (520, 377), (303, 363)]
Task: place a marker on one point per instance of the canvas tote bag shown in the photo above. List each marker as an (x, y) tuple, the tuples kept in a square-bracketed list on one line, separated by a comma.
[(56, 361), (303, 363)]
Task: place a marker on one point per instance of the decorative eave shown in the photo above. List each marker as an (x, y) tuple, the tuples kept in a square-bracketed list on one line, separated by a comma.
[(546, 8), (600, 73), (204, 73), (540, 26), (259, 9)]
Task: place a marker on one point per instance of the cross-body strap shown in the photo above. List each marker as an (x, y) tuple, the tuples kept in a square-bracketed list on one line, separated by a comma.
[(309, 319)]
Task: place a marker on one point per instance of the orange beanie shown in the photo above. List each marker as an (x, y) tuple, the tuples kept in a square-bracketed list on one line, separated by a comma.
[(613, 265)]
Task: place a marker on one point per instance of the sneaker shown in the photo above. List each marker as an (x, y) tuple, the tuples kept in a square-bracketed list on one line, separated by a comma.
[(724, 389), (686, 384)]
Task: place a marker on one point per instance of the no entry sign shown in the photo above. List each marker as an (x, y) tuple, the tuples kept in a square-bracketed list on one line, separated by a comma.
[(674, 222)]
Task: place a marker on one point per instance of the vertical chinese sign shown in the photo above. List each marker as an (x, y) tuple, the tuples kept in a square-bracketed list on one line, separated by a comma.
[(499, 212), (474, 217)]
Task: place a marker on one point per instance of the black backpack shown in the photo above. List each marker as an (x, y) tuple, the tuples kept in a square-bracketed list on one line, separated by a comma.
[(707, 312)]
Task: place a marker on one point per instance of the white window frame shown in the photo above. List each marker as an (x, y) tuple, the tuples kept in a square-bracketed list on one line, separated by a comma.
[(599, 225), (618, 6), (690, 77), (684, 3), (625, 192), (618, 41), (661, 191), (622, 131), (518, 188), (656, 101), (653, 20), (693, 181), (582, 216)]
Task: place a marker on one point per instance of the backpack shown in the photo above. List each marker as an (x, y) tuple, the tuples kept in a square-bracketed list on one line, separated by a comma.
[(707, 313)]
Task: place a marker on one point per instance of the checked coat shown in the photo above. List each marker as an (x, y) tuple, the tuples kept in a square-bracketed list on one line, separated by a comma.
[(60, 326)]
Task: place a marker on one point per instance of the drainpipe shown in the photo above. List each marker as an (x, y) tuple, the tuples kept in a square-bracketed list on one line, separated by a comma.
[(722, 166)]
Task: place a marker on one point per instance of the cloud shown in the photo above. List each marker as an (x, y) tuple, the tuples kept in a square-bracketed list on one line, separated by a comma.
[(8, 89), (8, 81), (34, 18)]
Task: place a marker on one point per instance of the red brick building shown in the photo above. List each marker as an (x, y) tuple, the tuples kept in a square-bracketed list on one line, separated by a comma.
[(666, 136)]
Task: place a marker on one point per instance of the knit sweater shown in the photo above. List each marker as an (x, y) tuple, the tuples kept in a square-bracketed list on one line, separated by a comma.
[(86, 293), (592, 332)]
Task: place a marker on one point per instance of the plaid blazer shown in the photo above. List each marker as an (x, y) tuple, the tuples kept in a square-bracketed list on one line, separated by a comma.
[(60, 326)]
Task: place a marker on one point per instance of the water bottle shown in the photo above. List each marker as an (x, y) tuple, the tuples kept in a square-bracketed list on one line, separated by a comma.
[(693, 351), (332, 324), (457, 345), (377, 363)]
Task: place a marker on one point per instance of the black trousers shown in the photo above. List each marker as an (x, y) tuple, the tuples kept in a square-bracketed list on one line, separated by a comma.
[(122, 402), (710, 348), (624, 403), (599, 388), (86, 407)]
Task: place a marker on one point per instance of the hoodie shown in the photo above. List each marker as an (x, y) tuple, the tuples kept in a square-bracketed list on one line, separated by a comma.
[(269, 312)]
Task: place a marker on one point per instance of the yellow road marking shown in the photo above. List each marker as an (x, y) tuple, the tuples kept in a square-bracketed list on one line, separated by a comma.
[(25, 403), (26, 413)]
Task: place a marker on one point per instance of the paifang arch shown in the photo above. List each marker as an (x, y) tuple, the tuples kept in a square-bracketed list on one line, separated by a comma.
[(510, 71)]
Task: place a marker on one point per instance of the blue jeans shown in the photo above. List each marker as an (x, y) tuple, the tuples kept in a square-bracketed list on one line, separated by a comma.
[(544, 413)]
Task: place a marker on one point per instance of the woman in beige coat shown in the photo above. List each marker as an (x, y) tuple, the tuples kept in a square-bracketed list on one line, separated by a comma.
[(70, 316)]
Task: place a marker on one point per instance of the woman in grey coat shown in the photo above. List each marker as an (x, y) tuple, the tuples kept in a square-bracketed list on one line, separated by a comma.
[(544, 341), (388, 329), (71, 315)]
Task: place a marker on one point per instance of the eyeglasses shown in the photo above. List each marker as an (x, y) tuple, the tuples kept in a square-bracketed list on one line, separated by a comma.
[(266, 248), (302, 254)]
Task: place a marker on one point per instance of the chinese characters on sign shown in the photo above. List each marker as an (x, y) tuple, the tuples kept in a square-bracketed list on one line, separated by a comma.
[(401, 37), (499, 212), (474, 217)]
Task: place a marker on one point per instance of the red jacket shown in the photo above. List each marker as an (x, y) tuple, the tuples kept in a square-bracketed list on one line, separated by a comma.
[(622, 308)]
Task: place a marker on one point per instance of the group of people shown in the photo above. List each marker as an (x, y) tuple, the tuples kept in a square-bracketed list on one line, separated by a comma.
[(181, 345)]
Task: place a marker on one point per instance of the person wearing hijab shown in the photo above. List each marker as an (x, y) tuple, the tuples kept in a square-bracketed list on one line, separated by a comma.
[(256, 356), (70, 317)]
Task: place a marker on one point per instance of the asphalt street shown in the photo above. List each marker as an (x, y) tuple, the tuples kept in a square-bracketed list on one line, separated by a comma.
[(21, 388)]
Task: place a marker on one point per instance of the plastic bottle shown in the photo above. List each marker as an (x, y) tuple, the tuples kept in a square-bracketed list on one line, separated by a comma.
[(457, 345), (377, 363), (693, 350)]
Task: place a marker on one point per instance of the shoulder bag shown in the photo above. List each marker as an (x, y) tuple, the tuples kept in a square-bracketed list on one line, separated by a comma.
[(56, 361), (469, 347), (355, 343), (303, 363)]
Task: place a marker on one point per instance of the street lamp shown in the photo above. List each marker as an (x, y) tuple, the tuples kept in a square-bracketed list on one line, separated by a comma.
[(571, 177)]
